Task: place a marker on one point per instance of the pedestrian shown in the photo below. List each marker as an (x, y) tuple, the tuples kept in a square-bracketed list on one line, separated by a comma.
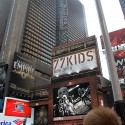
[(102, 116)]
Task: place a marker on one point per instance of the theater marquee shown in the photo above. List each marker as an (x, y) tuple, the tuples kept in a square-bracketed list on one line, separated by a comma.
[(84, 60), (22, 74)]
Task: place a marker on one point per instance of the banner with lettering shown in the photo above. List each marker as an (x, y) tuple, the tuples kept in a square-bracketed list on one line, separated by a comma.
[(84, 60), (117, 39), (22, 78)]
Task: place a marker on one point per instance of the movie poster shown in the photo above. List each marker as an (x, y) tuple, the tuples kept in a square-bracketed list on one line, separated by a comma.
[(71, 100), (22, 78), (41, 115)]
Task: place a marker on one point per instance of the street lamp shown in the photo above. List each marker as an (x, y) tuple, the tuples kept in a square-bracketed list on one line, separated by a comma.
[(119, 104)]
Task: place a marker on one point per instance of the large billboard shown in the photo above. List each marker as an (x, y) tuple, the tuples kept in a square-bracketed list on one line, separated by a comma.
[(22, 78), (74, 63), (71, 100), (117, 39)]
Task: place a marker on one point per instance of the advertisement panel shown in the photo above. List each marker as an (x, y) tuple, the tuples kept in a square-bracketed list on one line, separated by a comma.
[(18, 108), (71, 100), (22, 79), (84, 60), (117, 39), (16, 120)]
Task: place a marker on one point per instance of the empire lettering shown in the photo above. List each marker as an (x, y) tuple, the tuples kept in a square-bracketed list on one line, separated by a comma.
[(21, 66)]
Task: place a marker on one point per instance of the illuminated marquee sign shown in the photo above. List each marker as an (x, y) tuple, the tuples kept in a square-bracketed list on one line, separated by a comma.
[(84, 60), (22, 74)]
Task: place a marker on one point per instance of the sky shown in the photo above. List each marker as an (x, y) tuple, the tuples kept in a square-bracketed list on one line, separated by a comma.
[(112, 12), (114, 20)]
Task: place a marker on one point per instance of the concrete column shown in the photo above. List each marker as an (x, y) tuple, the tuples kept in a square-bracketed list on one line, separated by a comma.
[(14, 29)]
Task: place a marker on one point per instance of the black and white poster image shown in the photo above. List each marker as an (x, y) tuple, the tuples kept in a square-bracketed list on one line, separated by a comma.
[(71, 100), (41, 115)]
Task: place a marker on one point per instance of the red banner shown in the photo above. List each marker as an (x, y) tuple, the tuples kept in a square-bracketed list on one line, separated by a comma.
[(117, 38), (18, 108)]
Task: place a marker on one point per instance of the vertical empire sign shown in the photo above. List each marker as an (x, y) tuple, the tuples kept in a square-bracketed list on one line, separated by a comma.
[(22, 78), (62, 21)]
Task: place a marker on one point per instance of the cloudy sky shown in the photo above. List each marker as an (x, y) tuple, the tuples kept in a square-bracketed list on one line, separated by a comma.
[(112, 12), (114, 20)]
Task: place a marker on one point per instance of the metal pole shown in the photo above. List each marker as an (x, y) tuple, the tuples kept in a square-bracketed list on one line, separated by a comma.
[(119, 104), (109, 54)]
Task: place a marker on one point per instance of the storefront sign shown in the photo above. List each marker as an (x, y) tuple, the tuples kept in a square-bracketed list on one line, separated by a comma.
[(85, 60)]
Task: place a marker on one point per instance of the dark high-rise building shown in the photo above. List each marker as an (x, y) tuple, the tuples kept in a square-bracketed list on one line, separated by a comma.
[(34, 27), (39, 34)]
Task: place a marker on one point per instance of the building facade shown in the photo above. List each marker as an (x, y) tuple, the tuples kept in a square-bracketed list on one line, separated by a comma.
[(5, 6), (32, 30)]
